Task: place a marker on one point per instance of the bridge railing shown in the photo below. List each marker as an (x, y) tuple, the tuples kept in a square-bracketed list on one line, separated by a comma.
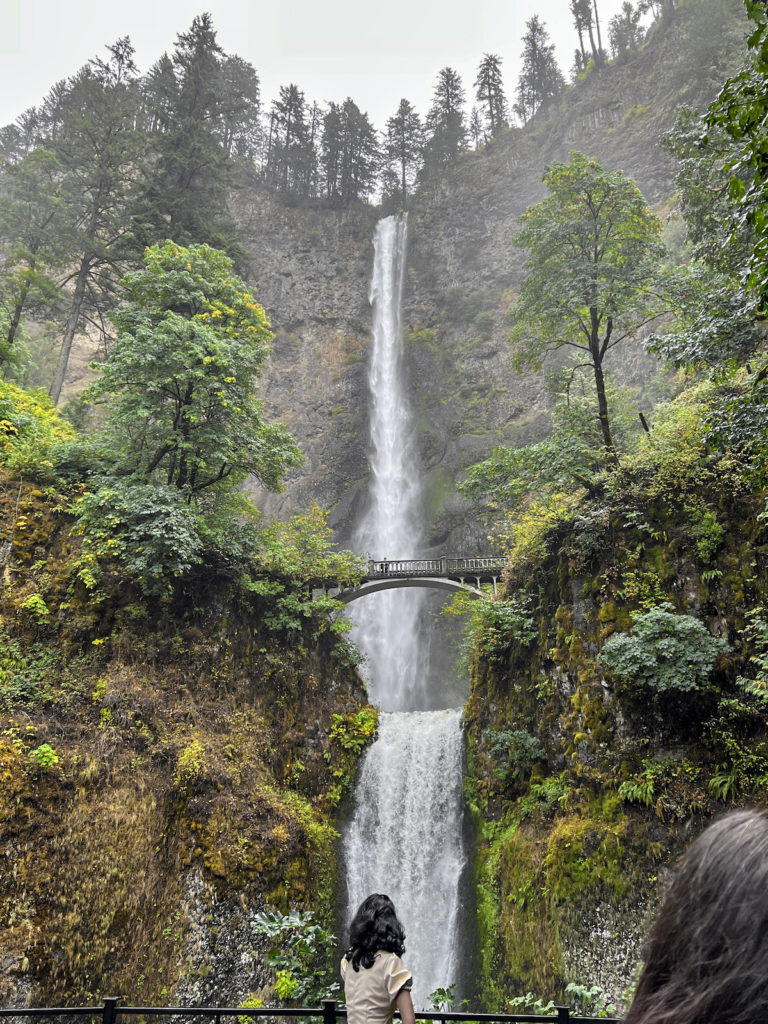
[(330, 1012), (382, 567)]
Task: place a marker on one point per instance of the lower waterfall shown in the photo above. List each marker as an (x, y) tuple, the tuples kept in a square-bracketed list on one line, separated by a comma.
[(405, 839)]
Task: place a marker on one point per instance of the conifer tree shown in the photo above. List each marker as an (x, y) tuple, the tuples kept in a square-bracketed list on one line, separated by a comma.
[(584, 21), (541, 80), (290, 156), (624, 31), (99, 150), (186, 195), (490, 94), (404, 146), (446, 123)]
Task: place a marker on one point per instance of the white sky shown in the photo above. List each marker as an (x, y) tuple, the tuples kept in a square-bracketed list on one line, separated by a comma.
[(375, 53)]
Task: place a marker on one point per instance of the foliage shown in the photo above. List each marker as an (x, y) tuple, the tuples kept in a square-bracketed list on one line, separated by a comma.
[(355, 735), (141, 525), (30, 429), (516, 752), (44, 756), (740, 110), (183, 427), (590, 1000), (594, 274), (191, 344), (489, 91), (530, 1003), (496, 624), (445, 128), (541, 81), (664, 652), (755, 635), (300, 953), (574, 452)]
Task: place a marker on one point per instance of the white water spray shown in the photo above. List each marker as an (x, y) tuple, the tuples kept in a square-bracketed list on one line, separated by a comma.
[(405, 838)]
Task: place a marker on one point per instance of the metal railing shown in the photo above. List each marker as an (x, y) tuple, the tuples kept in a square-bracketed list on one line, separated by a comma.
[(331, 1012), (379, 568)]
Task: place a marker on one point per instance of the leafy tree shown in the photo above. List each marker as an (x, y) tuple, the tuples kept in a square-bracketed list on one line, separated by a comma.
[(191, 342), (624, 31), (594, 274), (541, 80), (99, 150), (740, 111), (31, 225), (183, 427), (490, 93), (446, 131), (403, 146)]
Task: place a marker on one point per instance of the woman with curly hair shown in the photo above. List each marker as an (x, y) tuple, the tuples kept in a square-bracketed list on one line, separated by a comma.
[(376, 981), (707, 957)]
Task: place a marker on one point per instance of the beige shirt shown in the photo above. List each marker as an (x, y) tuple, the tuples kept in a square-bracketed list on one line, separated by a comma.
[(370, 992)]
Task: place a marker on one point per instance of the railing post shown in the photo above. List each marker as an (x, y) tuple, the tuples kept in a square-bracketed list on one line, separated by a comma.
[(329, 1011), (109, 1013), (563, 1014)]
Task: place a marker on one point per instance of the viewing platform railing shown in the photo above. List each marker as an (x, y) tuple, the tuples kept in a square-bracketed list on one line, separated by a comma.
[(331, 1012)]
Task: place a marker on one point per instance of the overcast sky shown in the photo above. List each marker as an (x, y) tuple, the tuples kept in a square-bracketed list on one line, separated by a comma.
[(375, 53)]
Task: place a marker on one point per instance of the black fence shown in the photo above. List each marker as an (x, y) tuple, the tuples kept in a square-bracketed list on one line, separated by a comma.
[(330, 1012)]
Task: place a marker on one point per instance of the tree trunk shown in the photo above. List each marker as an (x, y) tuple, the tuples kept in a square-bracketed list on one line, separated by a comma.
[(17, 311), (597, 55), (597, 26), (70, 328), (602, 409)]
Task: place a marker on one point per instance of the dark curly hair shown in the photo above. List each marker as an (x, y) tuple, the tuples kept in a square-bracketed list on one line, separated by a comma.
[(374, 927), (707, 955)]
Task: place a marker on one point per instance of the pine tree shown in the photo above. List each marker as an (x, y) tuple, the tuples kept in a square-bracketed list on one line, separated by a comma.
[(624, 30), (290, 157), (186, 196), (350, 154), (584, 20), (239, 108), (476, 130), (404, 147), (541, 80), (446, 123), (490, 94), (99, 151)]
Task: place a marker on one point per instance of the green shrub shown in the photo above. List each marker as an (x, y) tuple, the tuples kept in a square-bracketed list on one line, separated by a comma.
[(664, 651)]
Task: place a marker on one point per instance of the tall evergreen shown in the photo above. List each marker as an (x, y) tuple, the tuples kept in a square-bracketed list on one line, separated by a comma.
[(99, 150), (290, 156), (490, 94), (541, 80), (186, 197), (624, 30), (584, 22), (446, 128), (404, 147)]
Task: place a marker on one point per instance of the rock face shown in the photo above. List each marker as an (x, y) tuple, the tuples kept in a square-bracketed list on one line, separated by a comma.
[(311, 269)]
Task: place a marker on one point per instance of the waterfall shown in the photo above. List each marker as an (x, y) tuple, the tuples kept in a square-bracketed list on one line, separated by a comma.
[(405, 837)]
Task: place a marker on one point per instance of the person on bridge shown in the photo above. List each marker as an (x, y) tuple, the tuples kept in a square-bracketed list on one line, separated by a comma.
[(376, 981), (707, 957)]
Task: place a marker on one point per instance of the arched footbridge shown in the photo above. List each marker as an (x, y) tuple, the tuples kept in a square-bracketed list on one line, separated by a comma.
[(453, 574)]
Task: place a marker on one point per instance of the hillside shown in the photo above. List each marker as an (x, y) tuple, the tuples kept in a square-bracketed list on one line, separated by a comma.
[(312, 270)]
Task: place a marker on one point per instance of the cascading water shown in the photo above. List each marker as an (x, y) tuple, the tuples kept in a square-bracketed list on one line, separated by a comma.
[(405, 838)]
